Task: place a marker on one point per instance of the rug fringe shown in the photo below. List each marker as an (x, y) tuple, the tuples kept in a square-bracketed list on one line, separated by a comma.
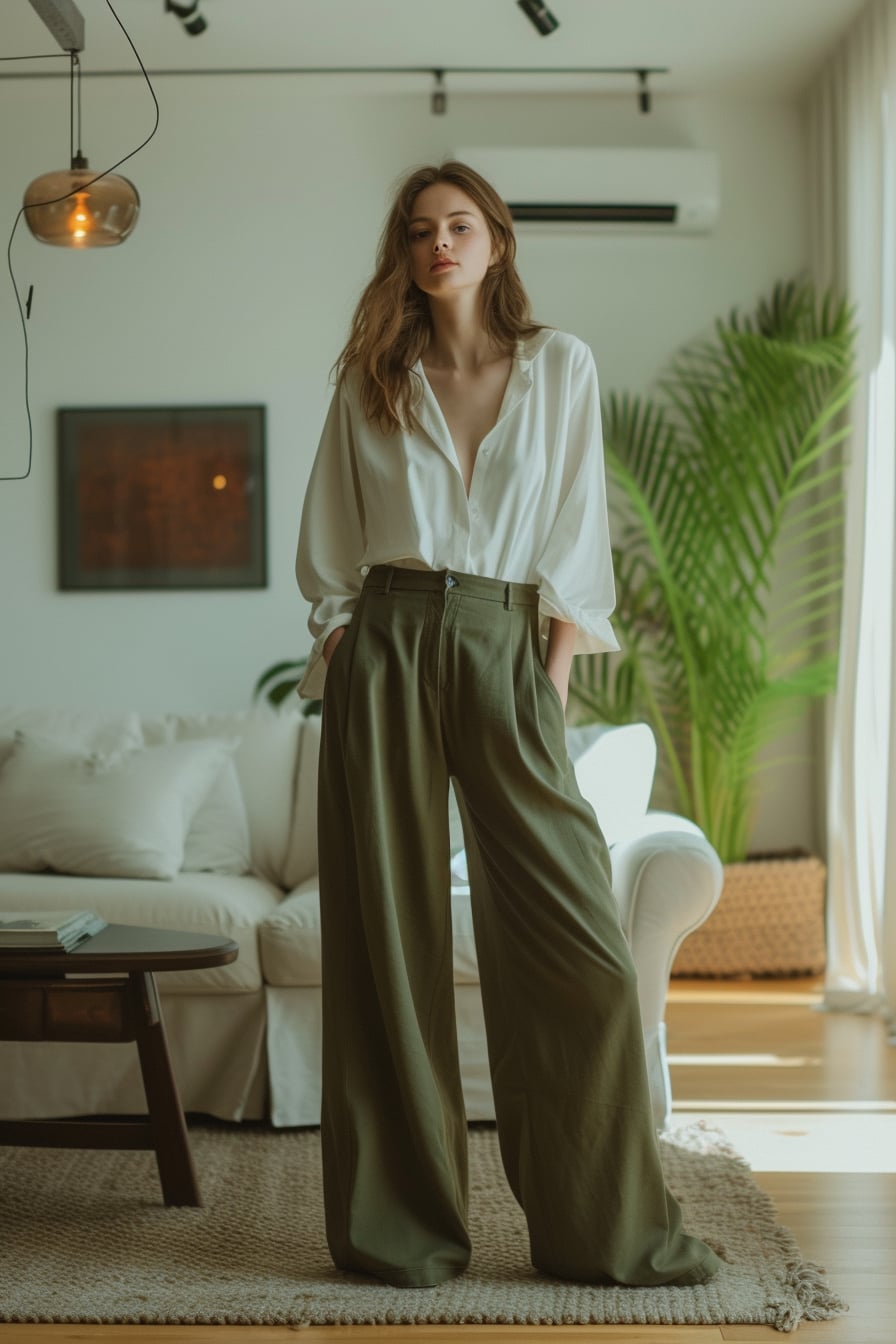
[(812, 1297)]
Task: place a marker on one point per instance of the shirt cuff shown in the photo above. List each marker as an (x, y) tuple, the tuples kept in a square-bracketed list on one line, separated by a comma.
[(594, 633), (311, 685)]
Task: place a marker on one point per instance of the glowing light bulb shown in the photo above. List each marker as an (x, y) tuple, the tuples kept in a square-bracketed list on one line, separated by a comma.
[(80, 220), (219, 482)]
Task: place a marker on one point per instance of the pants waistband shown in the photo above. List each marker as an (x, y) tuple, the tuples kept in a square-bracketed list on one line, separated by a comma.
[(395, 578)]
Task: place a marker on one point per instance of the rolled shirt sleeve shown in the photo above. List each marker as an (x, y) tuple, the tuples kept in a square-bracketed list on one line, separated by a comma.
[(575, 569), (331, 539)]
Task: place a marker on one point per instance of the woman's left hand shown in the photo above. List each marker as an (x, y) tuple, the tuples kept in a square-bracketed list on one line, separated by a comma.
[(562, 689), (561, 640)]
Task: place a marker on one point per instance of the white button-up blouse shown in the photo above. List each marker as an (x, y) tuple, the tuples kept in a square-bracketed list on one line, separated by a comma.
[(536, 512)]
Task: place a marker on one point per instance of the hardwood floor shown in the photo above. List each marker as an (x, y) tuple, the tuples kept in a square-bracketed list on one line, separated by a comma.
[(812, 1093), (838, 1197)]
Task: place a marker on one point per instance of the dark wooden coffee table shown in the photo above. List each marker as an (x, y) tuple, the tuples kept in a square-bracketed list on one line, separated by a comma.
[(38, 1003)]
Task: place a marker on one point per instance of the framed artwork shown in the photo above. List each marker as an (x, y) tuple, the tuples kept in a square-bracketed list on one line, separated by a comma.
[(161, 497)]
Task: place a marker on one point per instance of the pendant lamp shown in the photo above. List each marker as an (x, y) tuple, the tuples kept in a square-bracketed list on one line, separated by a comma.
[(75, 207)]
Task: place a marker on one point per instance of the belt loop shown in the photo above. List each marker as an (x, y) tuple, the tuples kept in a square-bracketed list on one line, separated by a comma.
[(389, 578), (507, 600)]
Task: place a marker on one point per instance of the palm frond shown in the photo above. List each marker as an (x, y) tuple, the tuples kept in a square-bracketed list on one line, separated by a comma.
[(733, 473)]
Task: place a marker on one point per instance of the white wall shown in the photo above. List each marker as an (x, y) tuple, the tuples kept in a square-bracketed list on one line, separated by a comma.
[(262, 203)]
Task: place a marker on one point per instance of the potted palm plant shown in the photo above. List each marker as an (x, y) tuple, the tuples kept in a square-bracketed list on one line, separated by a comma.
[(727, 505), (277, 682)]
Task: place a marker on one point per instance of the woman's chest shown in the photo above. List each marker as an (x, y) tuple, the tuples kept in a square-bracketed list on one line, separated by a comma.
[(470, 406), (418, 473)]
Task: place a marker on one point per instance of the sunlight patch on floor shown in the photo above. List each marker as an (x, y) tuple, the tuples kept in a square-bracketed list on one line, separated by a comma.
[(746, 1061), (803, 1140), (727, 994)]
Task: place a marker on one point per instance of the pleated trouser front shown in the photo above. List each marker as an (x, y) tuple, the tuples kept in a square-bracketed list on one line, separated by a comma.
[(439, 675)]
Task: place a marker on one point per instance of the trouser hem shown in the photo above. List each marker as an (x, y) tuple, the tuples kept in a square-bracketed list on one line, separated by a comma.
[(702, 1272), (707, 1269), (410, 1277)]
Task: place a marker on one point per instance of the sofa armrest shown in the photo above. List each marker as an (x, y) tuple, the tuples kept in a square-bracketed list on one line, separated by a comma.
[(667, 882), (667, 879)]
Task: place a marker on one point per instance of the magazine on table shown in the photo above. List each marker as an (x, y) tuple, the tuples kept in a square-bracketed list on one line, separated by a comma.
[(54, 929)]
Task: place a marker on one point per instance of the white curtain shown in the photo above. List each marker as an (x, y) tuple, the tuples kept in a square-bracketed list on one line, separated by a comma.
[(851, 123)]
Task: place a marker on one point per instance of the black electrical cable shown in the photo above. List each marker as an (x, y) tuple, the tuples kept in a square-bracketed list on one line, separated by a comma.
[(71, 106), (78, 73), (41, 56), (72, 56)]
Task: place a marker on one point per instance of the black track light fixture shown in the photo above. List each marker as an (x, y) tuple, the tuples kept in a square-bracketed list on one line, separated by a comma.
[(540, 15), (643, 91), (192, 20), (438, 103)]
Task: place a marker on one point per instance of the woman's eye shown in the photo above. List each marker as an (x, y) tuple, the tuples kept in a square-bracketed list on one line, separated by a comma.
[(420, 234), (465, 227)]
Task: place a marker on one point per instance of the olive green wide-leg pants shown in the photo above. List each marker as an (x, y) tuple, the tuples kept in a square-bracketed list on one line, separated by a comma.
[(439, 674)]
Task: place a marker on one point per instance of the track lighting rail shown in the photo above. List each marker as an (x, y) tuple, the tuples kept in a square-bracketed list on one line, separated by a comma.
[(376, 70)]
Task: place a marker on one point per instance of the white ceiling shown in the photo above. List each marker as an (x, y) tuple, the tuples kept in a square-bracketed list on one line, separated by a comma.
[(746, 48)]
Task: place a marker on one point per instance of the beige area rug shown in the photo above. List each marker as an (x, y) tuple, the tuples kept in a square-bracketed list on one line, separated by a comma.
[(84, 1237)]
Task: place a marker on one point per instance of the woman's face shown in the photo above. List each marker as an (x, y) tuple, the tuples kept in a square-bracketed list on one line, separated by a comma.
[(448, 239)]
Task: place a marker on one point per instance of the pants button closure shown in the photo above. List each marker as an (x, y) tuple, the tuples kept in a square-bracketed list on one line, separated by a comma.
[(450, 581)]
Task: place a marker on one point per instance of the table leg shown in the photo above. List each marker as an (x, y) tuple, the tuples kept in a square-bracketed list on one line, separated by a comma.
[(166, 1118)]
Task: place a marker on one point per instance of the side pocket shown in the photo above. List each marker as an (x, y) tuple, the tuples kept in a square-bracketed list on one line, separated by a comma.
[(541, 671), (550, 716), (340, 653)]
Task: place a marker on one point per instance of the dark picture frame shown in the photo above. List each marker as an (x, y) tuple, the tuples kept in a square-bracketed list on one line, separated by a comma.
[(161, 497)]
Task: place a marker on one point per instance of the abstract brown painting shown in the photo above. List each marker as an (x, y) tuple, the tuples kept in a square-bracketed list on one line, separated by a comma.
[(162, 497)]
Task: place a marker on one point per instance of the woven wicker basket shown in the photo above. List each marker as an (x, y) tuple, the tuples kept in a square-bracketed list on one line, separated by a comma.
[(769, 921)]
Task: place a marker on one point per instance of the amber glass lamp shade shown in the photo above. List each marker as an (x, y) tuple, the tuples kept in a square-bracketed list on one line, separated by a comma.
[(100, 215)]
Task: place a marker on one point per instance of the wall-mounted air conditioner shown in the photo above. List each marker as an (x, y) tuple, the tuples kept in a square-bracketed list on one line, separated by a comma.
[(658, 190)]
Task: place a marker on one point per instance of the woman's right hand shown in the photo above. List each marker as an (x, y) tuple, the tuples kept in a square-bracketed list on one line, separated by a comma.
[(331, 641)]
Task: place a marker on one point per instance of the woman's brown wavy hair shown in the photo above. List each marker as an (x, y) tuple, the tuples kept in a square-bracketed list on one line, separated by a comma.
[(392, 324)]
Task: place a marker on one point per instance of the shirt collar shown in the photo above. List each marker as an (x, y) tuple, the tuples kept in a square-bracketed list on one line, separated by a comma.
[(527, 347), (429, 414)]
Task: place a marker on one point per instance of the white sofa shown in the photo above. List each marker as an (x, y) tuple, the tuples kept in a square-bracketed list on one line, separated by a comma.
[(245, 1038)]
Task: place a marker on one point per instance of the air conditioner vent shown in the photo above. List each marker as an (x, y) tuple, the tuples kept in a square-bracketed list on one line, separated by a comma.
[(674, 190), (594, 214)]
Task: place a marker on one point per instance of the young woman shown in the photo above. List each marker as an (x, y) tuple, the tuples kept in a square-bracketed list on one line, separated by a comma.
[(454, 549)]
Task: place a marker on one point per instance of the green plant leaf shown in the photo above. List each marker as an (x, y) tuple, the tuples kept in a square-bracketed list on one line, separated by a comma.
[(726, 509)]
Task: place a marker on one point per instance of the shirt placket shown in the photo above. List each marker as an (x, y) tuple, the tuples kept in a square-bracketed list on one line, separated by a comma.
[(517, 389)]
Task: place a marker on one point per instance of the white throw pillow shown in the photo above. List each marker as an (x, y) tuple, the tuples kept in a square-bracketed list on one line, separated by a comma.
[(89, 729), (122, 814), (218, 838), (265, 763)]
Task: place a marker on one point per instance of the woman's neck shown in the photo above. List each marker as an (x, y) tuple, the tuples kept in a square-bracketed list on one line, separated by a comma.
[(459, 340)]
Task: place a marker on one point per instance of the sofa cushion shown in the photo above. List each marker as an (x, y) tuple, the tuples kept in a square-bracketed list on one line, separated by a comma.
[(614, 767), (190, 903), (103, 814), (266, 760), (289, 938)]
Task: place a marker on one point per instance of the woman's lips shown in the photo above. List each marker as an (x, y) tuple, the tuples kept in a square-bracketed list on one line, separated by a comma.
[(442, 265)]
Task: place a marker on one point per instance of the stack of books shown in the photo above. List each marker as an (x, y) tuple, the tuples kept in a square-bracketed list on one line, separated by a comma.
[(48, 930)]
